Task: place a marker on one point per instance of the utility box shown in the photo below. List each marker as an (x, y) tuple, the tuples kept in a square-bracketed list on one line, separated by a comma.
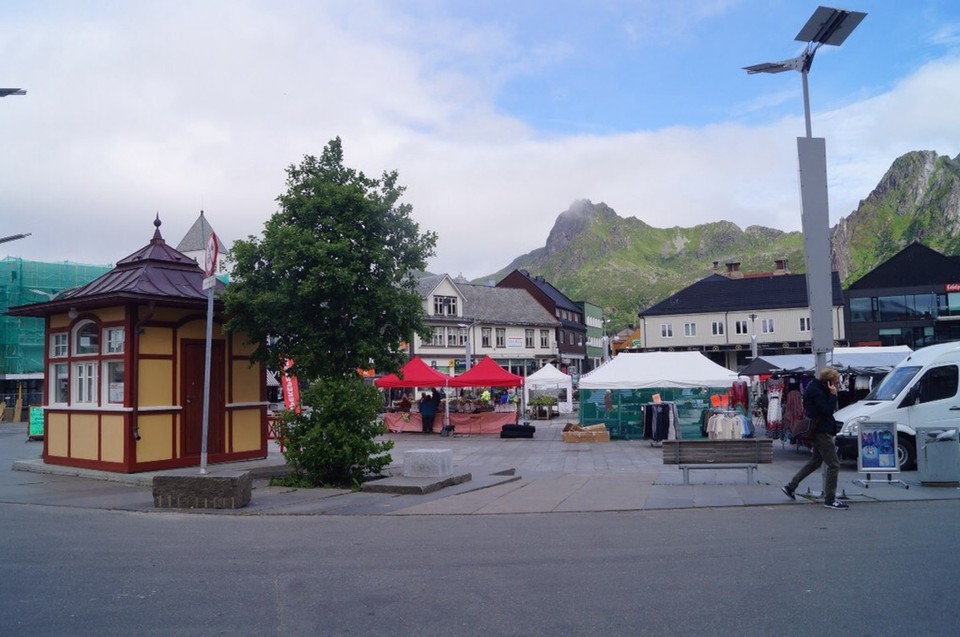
[(938, 457)]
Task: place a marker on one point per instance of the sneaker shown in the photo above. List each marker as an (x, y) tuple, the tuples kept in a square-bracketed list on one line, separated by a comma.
[(836, 504), (787, 491)]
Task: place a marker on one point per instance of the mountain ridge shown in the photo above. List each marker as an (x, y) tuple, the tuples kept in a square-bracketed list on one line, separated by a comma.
[(624, 264)]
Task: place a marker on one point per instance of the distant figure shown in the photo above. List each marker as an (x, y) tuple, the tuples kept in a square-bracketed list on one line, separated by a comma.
[(428, 411), (404, 404)]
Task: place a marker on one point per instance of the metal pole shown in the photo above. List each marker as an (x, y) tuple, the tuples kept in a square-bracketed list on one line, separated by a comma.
[(206, 383), (806, 104)]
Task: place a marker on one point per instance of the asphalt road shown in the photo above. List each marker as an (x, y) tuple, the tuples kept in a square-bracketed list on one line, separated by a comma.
[(884, 569)]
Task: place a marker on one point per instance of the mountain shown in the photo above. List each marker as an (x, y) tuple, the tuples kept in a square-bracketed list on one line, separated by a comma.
[(624, 264)]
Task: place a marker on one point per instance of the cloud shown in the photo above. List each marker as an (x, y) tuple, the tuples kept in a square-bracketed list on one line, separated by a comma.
[(172, 107)]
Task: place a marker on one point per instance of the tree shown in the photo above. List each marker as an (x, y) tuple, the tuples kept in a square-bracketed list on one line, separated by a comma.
[(332, 286)]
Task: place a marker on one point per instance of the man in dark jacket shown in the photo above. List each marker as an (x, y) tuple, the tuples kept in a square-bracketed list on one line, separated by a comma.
[(819, 403)]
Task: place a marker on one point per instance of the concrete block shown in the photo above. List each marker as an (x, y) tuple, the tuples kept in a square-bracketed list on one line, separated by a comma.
[(188, 489), (428, 463)]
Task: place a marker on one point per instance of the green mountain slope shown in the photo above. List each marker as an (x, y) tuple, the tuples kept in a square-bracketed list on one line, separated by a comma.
[(625, 265)]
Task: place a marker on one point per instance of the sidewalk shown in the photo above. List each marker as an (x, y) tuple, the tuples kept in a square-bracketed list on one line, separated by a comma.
[(511, 476)]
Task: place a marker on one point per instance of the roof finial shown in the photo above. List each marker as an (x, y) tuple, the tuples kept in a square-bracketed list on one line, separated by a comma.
[(156, 224)]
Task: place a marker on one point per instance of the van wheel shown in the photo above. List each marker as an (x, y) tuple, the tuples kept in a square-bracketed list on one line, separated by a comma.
[(906, 454)]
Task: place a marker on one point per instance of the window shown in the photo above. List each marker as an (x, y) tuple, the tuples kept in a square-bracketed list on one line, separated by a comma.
[(58, 345), (666, 330), (85, 383), (741, 327), (113, 381), (689, 329), (861, 310), (766, 326), (544, 339), (451, 337), (462, 336), (804, 323), (528, 338), (939, 383), (445, 305), (717, 328), (113, 340), (485, 336), (501, 337), (438, 336), (60, 387), (86, 339)]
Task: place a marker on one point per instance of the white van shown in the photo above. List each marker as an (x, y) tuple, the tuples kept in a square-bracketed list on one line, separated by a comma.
[(919, 392)]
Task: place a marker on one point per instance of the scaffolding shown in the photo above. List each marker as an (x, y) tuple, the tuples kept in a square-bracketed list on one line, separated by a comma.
[(25, 282)]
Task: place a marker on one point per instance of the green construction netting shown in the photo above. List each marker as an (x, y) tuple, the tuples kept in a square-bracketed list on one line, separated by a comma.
[(23, 282)]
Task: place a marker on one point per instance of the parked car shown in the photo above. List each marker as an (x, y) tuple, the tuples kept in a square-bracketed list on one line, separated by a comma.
[(922, 391)]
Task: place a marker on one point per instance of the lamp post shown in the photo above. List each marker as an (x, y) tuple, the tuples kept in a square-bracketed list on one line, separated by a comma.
[(753, 335), (825, 26)]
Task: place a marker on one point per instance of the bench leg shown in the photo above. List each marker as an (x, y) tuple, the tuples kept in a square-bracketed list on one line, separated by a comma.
[(686, 474)]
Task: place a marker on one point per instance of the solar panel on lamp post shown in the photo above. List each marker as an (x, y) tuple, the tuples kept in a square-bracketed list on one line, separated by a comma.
[(825, 26)]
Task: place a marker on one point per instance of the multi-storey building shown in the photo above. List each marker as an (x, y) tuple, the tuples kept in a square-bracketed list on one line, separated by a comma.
[(722, 314), (912, 298), (471, 321), (595, 343), (571, 333)]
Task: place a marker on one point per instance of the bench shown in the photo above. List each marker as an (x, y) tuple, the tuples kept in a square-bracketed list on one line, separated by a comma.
[(715, 455)]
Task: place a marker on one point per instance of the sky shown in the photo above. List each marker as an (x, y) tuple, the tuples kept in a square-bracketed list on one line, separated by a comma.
[(497, 115)]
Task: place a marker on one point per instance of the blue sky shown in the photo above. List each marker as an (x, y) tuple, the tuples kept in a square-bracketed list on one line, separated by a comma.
[(497, 116)]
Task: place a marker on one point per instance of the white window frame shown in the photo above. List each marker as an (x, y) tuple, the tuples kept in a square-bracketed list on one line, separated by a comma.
[(741, 327), (113, 340), (91, 349), (544, 339), (112, 392), (485, 337), (438, 337), (689, 330), (804, 323), (528, 338), (501, 337), (84, 382), (59, 345), (666, 330), (59, 393), (767, 326), (717, 328)]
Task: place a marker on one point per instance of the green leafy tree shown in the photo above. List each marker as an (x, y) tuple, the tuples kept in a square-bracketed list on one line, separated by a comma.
[(332, 285)]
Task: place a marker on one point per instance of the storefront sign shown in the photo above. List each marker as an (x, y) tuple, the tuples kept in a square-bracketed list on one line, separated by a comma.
[(515, 341), (953, 287)]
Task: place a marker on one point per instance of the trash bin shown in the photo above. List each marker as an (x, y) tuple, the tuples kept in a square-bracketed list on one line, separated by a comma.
[(938, 457)]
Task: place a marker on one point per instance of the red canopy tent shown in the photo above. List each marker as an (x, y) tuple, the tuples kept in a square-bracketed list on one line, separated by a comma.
[(415, 373), (486, 373)]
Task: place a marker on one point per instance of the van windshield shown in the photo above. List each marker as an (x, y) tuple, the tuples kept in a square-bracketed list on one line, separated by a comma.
[(893, 384)]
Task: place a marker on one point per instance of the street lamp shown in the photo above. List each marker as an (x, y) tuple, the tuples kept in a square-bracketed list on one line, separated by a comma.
[(825, 26), (468, 344), (753, 336), (11, 91), (14, 237)]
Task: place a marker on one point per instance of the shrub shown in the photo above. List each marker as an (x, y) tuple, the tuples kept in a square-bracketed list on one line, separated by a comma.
[(333, 442)]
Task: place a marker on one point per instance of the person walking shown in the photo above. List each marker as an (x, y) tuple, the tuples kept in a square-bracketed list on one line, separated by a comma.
[(819, 403)]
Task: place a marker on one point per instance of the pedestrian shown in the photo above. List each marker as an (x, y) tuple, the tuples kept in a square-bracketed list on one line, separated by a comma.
[(819, 403), (428, 411)]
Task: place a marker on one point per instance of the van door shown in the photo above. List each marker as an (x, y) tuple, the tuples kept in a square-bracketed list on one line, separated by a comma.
[(937, 402)]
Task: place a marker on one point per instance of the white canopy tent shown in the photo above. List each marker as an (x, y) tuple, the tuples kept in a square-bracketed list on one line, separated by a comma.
[(652, 370), (864, 360), (549, 379)]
